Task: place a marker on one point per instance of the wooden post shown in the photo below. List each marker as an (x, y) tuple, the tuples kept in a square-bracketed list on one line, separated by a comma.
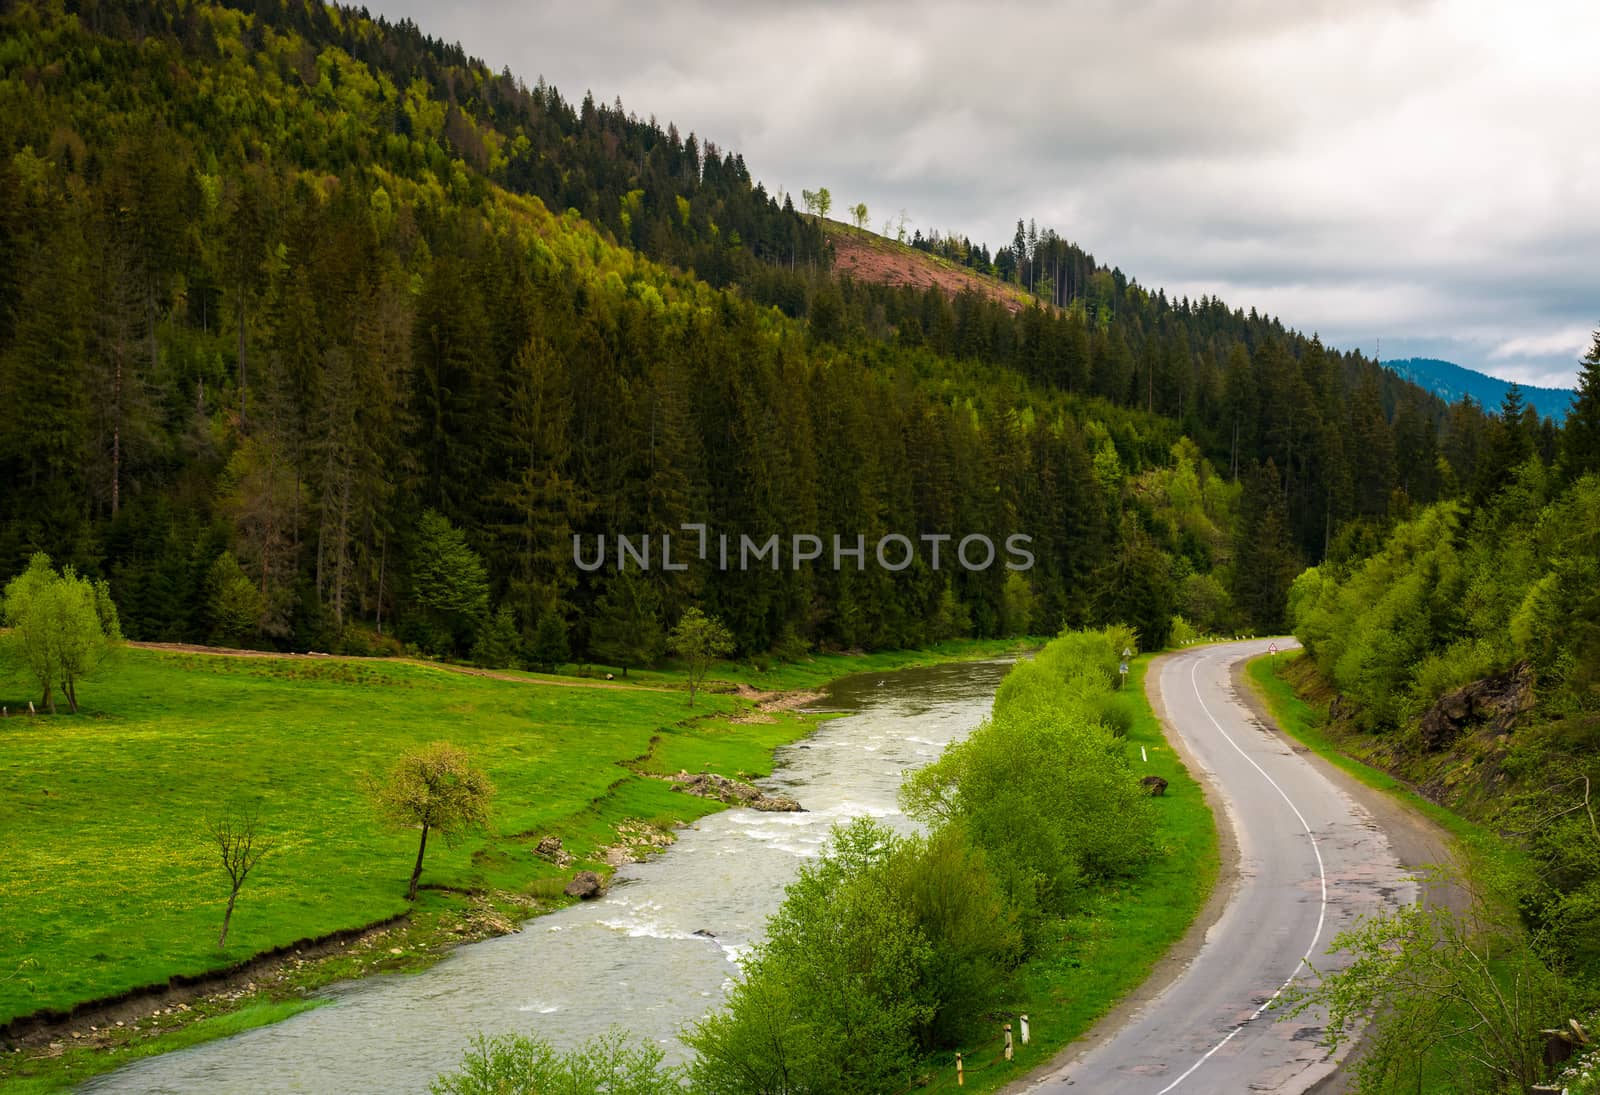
[(1007, 1029), (961, 1077), (1024, 1030)]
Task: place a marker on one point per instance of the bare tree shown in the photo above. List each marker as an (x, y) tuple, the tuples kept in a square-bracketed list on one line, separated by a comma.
[(900, 226), (237, 837)]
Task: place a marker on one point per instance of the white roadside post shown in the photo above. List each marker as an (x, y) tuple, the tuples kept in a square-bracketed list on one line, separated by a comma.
[(1007, 1029), (1024, 1030), (961, 1077)]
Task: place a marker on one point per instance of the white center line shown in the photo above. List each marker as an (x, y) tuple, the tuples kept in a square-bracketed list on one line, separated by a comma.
[(1322, 871)]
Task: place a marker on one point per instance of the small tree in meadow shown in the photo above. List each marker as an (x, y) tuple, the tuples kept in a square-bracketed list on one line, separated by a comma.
[(238, 839), (433, 788), (699, 640), (63, 627)]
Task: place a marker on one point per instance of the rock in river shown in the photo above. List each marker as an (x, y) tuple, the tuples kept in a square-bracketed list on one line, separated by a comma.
[(585, 886)]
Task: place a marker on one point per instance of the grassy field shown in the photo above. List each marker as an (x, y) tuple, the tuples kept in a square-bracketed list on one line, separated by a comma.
[(1109, 949), (109, 882)]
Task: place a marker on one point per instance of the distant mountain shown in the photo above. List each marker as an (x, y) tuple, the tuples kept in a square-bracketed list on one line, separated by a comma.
[(1450, 382)]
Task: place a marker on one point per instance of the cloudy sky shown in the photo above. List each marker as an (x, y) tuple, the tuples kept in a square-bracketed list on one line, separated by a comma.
[(1427, 174)]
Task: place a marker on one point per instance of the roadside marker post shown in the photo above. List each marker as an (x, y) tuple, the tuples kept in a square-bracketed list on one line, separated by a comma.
[(961, 1077), (1007, 1029), (1024, 1030)]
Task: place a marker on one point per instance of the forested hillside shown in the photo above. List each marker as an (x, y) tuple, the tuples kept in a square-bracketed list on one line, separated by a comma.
[(1464, 657), (315, 332)]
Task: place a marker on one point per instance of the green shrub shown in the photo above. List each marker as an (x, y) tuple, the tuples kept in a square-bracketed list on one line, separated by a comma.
[(515, 1064)]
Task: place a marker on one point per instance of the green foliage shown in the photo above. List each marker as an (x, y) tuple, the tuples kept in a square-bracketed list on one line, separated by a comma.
[(699, 640), (436, 788), (887, 947), (233, 602), (63, 628), (550, 647), (1448, 1000), (1580, 440), (1018, 605), (519, 1064), (448, 584), (831, 1000), (1043, 787), (1453, 596), (625, 629), (499, 643), (955, 900)]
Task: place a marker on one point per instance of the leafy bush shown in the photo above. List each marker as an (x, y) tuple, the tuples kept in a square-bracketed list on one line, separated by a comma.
[(1043, 787), (832, 999), (516, 1064)]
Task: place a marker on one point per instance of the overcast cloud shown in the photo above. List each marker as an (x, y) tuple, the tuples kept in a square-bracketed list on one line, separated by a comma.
[(1423, 173)]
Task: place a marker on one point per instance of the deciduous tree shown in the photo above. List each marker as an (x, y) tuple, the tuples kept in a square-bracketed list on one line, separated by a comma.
[(435, 788), (64, 627), (699, 640)]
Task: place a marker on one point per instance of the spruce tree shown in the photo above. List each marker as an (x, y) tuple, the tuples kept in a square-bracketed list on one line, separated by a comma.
[(1580, 438)]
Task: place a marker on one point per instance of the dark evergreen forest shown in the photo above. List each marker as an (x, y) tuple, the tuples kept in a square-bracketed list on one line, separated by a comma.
[(317, 334)]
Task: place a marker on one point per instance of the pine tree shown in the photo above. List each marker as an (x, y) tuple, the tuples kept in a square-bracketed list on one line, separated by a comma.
[(625, 629), (1580, 437), (1264, 558)]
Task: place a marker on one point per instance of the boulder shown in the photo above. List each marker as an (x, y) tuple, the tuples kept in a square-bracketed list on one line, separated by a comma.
[(550, 848), (732, 791), (1494, 701), (585, 886)]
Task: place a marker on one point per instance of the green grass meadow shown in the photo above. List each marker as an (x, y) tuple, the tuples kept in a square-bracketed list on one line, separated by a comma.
[(109, 882)]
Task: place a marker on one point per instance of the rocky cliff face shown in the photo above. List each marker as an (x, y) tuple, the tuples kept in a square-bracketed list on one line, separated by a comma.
[(1493, 704)]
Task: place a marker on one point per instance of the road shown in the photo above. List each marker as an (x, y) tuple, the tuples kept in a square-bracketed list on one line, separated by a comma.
[(1311, 860)]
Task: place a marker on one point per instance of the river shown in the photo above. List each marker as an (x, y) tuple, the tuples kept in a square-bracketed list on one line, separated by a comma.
[(630, 959)]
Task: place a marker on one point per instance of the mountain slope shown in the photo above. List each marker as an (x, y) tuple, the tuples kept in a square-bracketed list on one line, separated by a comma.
[(1451, 382)]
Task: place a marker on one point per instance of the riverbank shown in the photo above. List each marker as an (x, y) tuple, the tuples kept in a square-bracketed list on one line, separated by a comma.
[(297, 735)]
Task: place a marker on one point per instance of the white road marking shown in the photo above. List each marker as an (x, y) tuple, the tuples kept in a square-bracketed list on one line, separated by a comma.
[(1322, 871)]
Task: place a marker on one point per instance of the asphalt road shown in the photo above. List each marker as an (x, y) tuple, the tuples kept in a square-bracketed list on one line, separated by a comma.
[(1311, 860)]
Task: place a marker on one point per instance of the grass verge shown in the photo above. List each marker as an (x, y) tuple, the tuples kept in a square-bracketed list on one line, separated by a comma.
[(1110, 947), (1307, 723), (123, 1046)]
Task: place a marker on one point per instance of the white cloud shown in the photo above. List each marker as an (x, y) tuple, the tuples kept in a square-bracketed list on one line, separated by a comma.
[(1417, 171)]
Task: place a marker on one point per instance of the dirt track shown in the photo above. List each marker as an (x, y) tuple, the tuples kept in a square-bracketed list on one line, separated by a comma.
[(468, 670)]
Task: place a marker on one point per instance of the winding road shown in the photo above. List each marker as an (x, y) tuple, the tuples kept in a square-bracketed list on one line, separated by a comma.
[(1310, 861)]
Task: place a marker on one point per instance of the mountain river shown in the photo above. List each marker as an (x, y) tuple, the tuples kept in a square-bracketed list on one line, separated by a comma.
[(630, 959)]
